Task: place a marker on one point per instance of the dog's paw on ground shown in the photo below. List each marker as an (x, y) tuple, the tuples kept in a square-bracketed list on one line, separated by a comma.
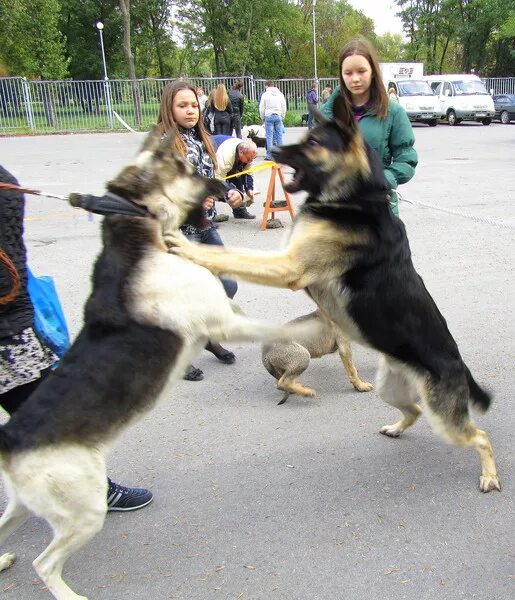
[(362, 386), (391, 430), (6, 560), (488, 483)]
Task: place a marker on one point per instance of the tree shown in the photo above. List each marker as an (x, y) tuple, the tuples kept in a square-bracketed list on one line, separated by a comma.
[(459, 35), (78, 23), (31, 43), (126, 14)]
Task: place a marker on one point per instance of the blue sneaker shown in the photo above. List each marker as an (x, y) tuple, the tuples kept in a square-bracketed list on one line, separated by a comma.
[(124, 499)]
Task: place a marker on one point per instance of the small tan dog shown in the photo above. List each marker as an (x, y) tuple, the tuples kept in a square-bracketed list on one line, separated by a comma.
[(287, 360)]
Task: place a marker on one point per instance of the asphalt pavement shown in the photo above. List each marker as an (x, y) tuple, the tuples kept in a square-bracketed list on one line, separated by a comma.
[(303, 501)]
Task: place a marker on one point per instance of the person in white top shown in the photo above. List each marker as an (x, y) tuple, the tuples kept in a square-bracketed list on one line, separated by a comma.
[(272, 108), (202, 99)]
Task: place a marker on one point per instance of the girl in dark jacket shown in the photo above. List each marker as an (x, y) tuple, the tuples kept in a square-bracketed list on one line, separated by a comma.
[(222, 107), (179, 116)]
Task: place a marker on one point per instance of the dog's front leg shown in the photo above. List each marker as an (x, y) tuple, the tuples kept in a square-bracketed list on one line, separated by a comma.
[(277, 270)]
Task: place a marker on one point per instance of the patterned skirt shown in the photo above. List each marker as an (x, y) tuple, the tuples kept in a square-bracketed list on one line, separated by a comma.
[(22, 359)]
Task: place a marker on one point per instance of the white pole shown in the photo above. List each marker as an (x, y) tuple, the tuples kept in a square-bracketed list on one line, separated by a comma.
[(100, 27), (315, 42)]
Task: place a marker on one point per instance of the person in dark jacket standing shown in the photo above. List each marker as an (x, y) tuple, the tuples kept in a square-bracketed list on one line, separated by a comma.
[(312, 99), (384, 123), (237, 102), (25, 361), (220, 104)]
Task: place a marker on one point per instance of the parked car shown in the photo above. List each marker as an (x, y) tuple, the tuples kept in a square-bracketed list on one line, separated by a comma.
[(418, 99), (463, 97), (504, 105)]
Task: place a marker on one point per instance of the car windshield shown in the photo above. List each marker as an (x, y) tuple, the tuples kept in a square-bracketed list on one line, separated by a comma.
[(469, 88), (414, 88)]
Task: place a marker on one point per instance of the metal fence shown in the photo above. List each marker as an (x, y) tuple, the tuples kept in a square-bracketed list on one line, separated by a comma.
[(71, 106), (500, 85)]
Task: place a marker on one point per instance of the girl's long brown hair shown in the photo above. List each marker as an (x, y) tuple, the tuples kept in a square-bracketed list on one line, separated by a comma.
[(220, 97), (167, 125), (378, 96)]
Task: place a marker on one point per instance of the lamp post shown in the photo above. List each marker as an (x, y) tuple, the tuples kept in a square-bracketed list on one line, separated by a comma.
[(100, 27), (315, 42)]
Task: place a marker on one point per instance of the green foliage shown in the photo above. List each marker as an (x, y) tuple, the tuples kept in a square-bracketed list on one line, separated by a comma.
[(31, 43), (292, 120), (460, 35), (267, 38), (250, 113)]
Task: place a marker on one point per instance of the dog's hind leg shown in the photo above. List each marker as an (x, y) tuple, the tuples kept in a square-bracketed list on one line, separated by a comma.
[(287, 383), (346, 357), (72, 498), (447, 408), (14, 516), (72, 530), (395, 387)]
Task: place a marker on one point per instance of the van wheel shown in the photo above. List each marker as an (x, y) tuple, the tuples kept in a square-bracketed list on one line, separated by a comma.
[(505, 117), (486, 121), (451, 118), (432, 123)]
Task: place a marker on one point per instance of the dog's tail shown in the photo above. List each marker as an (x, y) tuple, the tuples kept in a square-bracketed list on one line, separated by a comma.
[(285, 397), (479, 397)]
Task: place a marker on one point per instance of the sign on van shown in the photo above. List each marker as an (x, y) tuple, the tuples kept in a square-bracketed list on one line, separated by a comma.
[(393, 70)]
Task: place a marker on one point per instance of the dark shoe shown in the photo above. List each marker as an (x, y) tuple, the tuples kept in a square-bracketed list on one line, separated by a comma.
[(124, 499), (242, 213), (223, 355), (193, 374), (221, 218)]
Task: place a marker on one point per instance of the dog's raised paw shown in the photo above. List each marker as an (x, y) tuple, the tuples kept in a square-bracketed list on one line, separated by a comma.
[(489, 483), (7, 560)]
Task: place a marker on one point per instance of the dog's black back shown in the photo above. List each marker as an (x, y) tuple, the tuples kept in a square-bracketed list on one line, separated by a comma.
[(112, 352)]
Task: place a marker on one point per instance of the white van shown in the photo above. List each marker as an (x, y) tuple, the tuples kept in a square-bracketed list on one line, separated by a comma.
[(418, 100), (462, 98)]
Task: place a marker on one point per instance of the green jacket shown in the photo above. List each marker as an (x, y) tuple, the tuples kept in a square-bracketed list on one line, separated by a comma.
[(392, 138)]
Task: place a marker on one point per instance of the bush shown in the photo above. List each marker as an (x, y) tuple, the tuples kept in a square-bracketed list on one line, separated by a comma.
[(292, 120), (251, 116), (251, 113)]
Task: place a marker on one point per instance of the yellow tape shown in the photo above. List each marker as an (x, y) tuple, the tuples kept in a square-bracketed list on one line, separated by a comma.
[(266, 165)]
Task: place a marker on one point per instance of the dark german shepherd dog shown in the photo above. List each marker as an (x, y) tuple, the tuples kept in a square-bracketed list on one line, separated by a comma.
[(148, 315), (352, 256)]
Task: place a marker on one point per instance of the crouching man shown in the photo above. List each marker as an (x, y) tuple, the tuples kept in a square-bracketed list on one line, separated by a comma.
[(233, 156)]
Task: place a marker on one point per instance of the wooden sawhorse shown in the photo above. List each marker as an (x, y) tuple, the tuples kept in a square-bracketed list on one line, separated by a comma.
[(270, 197)]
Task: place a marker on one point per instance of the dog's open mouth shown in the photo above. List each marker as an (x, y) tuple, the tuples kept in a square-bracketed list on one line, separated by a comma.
[(295, 184)]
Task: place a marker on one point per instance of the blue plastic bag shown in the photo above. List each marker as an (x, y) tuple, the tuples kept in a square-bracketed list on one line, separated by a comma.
[(49, 322)]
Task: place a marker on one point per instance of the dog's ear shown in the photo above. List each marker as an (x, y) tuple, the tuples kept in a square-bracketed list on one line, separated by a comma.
[(318, 117), (152, 140), (343, 115)]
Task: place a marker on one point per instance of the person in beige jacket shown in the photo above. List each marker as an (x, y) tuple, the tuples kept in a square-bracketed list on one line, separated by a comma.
[(234, 156)]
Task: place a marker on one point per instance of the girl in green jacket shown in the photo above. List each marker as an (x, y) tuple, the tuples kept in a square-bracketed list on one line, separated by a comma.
[(384, 124)]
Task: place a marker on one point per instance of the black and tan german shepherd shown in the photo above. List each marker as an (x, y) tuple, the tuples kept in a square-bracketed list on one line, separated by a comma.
[(351, 254), (148, 315)]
